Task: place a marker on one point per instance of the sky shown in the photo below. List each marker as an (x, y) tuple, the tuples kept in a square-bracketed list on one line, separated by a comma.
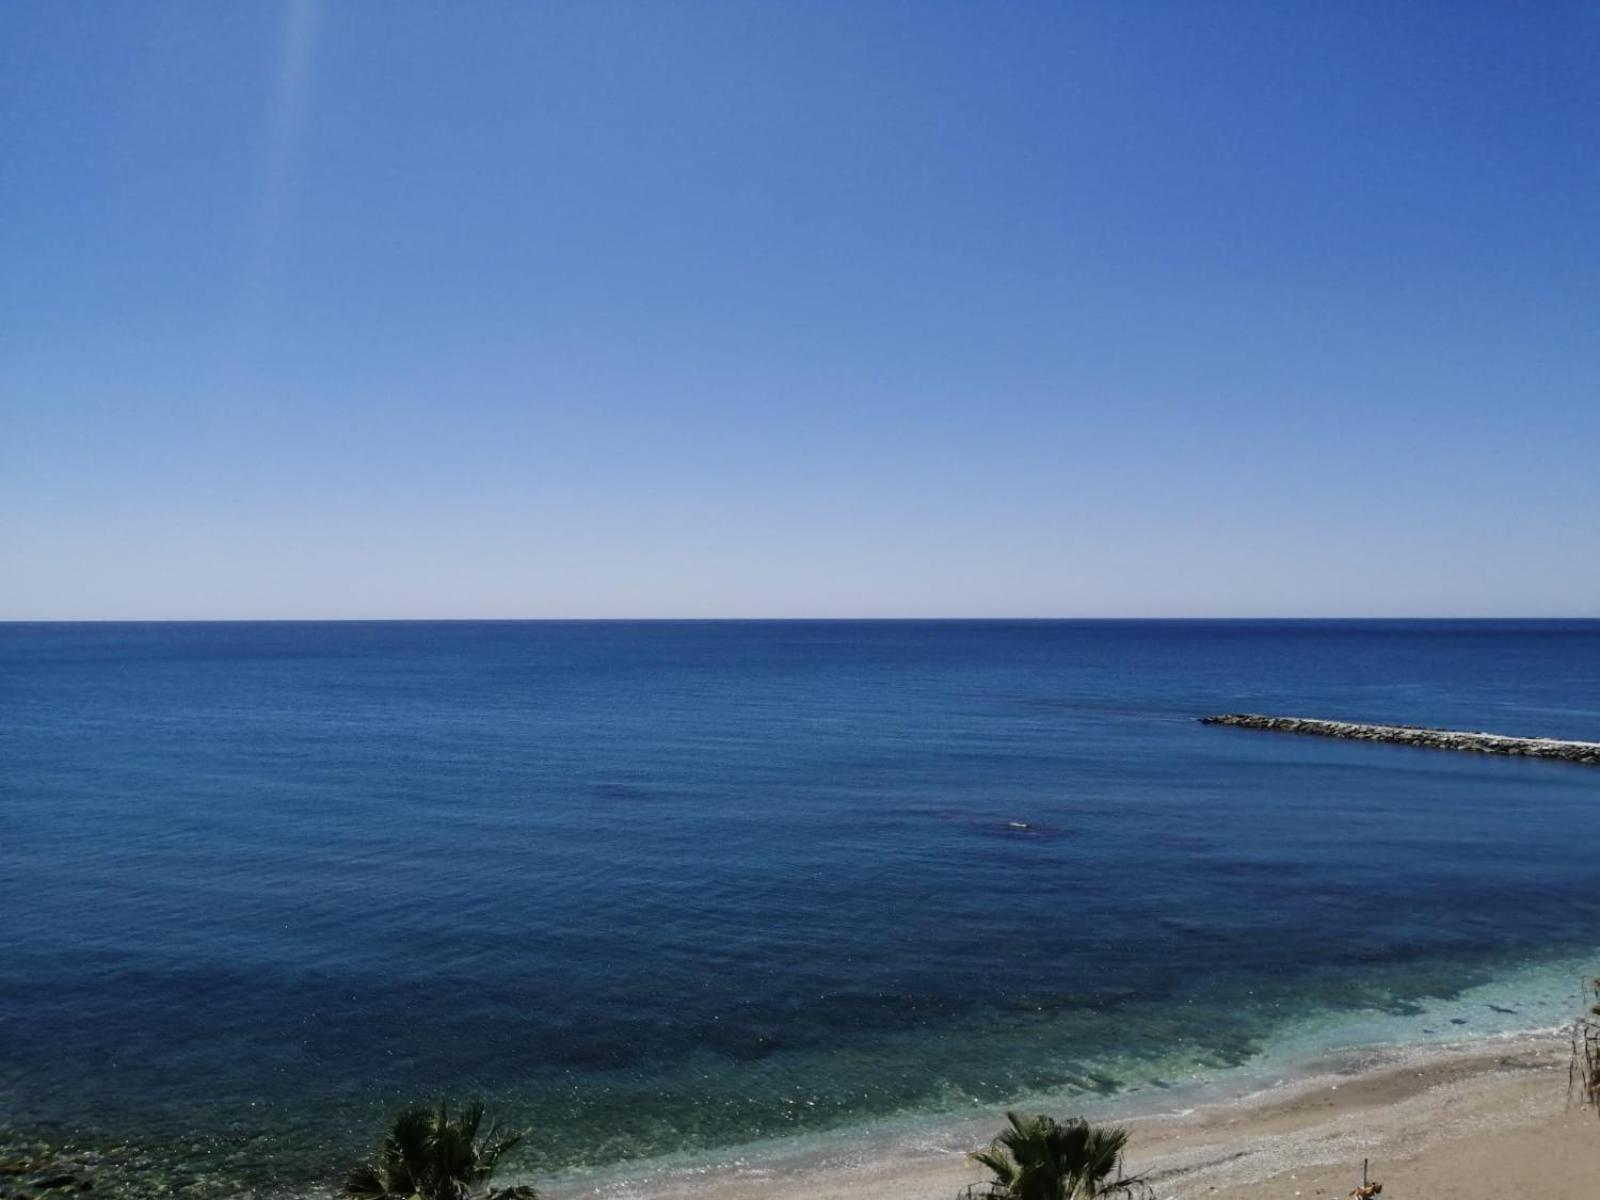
[(751, 309)]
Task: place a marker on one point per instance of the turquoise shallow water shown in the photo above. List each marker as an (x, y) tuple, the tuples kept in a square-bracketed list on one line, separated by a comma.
[(664, 889), (1322, 1046)]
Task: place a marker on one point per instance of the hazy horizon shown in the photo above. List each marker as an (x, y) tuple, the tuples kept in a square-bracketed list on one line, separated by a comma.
[(708, 311), (946, 619)]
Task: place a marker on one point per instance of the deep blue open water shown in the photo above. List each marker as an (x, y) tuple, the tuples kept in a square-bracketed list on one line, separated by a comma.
[(666, 887)]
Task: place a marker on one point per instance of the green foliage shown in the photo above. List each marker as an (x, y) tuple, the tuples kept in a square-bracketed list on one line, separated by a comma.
[(430, 1155), (1040, 1158)]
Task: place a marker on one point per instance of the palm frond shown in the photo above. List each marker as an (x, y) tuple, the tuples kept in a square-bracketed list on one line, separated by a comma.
[(429, 1155), (498, 1142), (1037, 1157), (365, 1182), (1003, 1169)]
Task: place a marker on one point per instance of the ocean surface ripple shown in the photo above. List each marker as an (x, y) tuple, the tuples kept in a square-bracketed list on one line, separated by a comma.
[(668, 888)]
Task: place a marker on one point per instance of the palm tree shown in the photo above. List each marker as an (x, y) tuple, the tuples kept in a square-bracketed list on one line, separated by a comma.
[(429, 1155), (1040, 1158)]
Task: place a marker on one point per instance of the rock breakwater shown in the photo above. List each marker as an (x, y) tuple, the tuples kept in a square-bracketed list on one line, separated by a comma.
[(1417, 735)]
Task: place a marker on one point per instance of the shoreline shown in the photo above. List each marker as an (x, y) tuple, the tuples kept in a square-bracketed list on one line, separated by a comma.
[(1189, 1118), (1472, 1118), (1530, 1003), (1482, 1117)]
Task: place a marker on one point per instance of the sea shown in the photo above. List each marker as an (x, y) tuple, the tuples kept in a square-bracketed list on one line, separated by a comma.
[(668, 891)]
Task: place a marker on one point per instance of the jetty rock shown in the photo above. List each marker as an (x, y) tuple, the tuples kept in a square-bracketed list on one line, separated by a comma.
[(1417, 735)]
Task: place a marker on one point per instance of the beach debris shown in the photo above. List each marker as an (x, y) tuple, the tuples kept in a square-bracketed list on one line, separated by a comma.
[(1583, 1076), (1368, 1189)]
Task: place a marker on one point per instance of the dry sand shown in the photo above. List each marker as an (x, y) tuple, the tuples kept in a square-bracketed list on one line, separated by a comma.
[(1483, 1121)]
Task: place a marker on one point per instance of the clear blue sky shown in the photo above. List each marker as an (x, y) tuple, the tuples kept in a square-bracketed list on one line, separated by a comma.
[(755, 309)]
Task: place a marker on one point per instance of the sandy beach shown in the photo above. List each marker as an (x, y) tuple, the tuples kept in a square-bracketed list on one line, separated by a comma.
[(1478, 1120)]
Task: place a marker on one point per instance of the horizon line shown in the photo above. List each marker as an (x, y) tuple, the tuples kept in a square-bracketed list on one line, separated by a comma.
[(733, 620)]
